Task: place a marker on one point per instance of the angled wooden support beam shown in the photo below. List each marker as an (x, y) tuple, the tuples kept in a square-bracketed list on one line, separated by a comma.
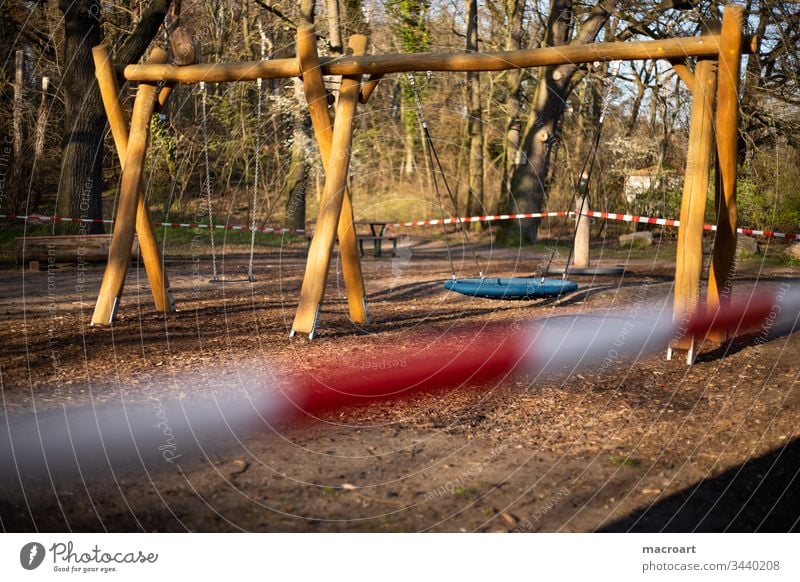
[(681, 68), (689, 261), (163, 95), (317, 99), (321, 249), (720, 279), (118, 121), (368, 88), (119, 253)]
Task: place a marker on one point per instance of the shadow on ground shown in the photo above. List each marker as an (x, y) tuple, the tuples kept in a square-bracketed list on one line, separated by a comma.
[(760, 495)]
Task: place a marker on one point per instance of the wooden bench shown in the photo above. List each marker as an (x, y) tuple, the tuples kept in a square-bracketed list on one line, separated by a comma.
[(377, 243), (91, 248)]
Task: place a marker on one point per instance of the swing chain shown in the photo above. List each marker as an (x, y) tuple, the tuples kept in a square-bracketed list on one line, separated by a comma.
[(256, 175), (434, 164), (413, 82), (257, 170), (208, 189), (429, 143), (582, 187)]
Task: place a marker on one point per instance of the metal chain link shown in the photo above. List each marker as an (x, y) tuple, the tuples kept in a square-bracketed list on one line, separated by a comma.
[(253, 223), (208, 189), (433, 156), (582, 187)]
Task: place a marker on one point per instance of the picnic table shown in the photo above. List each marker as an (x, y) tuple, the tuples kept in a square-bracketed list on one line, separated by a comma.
[(377, 234)]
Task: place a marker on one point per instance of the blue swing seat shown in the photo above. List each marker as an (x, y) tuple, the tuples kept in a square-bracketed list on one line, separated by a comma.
[(516, 288)]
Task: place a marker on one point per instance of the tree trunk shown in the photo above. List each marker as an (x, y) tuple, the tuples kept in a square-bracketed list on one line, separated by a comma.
[(297, 175), (475, 194), (41, 120), (81, 182), (514, 12), (144, 33), (642, 78), (751, 100), (410, 126), (529, 178), (334, 27), (81, 185), (296, 181), (248, 46), (354, 22), (40, 135), (19, 133), (528, 186), (411, 30)]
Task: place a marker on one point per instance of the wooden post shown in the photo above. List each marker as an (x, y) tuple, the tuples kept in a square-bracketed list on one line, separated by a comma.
[(720, 279), (689, 261), (580, 247), (119, 254), (117, 120), (317, 99), (319, 253)]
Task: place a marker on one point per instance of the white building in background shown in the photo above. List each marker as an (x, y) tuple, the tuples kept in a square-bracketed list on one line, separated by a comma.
[(638, 182)]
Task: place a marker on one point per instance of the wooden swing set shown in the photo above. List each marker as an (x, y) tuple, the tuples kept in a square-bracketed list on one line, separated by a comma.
[(714, 85)]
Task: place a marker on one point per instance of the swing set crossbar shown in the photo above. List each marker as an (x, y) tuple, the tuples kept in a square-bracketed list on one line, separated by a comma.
[(673, 48)]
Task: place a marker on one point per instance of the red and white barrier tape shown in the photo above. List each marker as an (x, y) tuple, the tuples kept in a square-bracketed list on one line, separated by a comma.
[(677, 223), (65, 444), (633, 218), (592, 214), (486, 218), (43, 218), (431, 222)]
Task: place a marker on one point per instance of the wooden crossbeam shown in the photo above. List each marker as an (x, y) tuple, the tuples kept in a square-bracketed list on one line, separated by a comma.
[(681, 68), (673, 48)]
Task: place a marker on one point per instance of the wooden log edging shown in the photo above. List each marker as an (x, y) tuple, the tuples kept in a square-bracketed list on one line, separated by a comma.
[(73, 248)]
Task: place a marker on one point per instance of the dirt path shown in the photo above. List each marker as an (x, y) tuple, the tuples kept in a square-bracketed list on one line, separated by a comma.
[(647, 445)]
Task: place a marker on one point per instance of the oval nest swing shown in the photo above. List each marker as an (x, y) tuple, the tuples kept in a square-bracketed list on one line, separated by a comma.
[(514, 288)]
